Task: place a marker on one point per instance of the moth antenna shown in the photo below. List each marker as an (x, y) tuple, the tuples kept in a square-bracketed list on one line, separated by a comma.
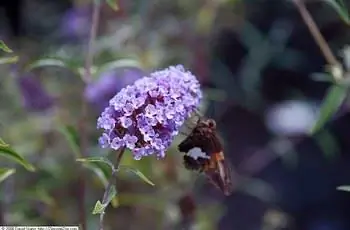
[(183, 133), (198, 113), (188, 126)]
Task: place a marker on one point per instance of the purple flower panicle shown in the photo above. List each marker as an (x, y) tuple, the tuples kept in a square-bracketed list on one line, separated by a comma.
[(146, 116)]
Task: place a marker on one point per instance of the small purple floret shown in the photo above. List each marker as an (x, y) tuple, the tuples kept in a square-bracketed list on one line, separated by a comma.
[(146, 116)]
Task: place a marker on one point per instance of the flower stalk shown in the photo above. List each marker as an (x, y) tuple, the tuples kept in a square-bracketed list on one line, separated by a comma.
[(315, 32), (83, 119), (111, 183)]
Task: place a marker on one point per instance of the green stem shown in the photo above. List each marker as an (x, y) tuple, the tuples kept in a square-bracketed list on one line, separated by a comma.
[(315, 32), (84, 112), (110, 184)]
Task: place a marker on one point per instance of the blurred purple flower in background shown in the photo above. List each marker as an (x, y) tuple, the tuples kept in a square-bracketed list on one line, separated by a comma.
[(292, 117), (75, 23), (146, 116), (34, 97), (109, 84)]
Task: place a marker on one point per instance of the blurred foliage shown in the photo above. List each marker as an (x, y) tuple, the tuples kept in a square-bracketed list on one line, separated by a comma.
[(4, 47), (6, 151), (113, 4), (143, 34), (6, 172), (341, 8), (7, 60), (331, 104)]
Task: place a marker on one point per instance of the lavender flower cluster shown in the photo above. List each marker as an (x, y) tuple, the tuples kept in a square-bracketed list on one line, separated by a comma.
[(146, 116)]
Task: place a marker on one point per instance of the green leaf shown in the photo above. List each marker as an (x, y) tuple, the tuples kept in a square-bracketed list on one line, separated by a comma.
[(97, 159), (215, 94), (327, 143), (3, 143), (5, 173), (8, 60), (115, 202), (38, 194), (98, 171), (103, 172), (113, 4), (138, 173), (345, 188), (121, 63), (82, 70), (340, 7), (150, 200), (334, 98), (4, 47), (205, 18), (322, 77), (99, 208), (51, 62), (71, 135), (6, 151)]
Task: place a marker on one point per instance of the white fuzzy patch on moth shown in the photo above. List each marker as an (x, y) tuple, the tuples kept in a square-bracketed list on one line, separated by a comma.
[(197, 152)]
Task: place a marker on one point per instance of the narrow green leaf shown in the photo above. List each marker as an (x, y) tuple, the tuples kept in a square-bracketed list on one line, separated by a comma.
[(327, 143), (97, 159), (51, 62), (72, 137), (81, 70), (8, 60), (103, 172), (154, 202), (5, 173), (121, 63), (138, 173), (3, 143), (47, 62), (205, 18), (340, 7), (333, 100), (38, 194), (6, 151), (98, 172), (99, 208), (113, 4), (4, 47), (345, 188), (322, 77), (215, 94), (115, 202)]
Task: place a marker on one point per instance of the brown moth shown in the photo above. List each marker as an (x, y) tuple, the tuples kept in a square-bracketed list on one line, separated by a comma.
[(204, 153)]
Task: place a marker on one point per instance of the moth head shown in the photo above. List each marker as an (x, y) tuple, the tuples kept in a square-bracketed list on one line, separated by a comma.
[(210, 123)]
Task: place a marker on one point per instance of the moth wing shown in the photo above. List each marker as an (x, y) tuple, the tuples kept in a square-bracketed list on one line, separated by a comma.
[(220, 171), (221, 175), (227, 173)]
